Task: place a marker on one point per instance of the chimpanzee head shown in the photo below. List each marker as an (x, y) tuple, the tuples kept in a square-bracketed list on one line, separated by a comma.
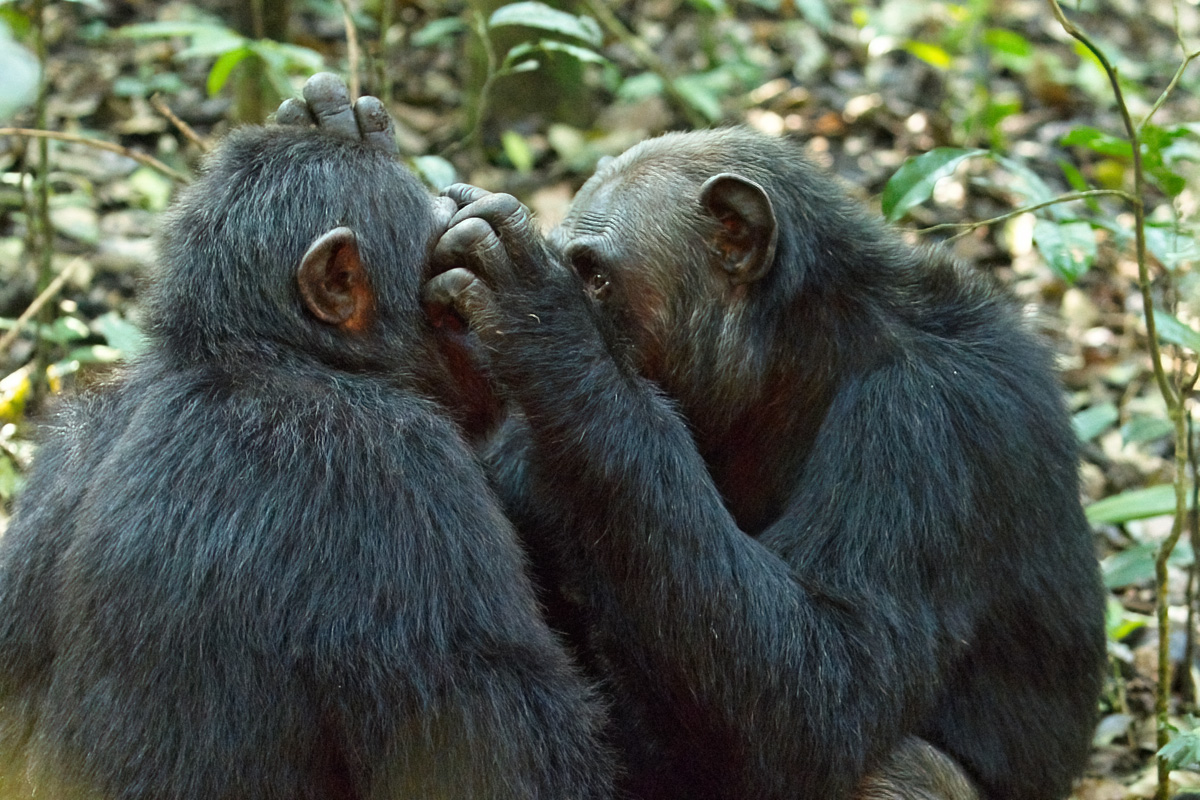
[(297, 242), (692, 242)]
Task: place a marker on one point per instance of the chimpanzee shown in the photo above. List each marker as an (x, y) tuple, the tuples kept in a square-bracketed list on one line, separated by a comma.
[(804, 495), (265, 563)]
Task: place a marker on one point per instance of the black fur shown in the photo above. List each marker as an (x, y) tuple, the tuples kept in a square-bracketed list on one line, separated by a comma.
[(793, 521), (264, 563)]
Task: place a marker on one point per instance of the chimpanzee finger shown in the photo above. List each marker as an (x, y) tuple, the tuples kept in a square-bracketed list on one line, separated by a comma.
[(294, 113), (375, 124), (458, 290), (464, 193), (473, 244), (329, 101), (513, 224), (443, 211)]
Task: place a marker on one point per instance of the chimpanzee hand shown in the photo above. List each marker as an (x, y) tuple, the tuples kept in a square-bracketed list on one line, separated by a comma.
[(327, 105), (493, 268)]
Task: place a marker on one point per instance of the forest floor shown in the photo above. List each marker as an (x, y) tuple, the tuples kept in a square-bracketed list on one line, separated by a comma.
[(863, 89)]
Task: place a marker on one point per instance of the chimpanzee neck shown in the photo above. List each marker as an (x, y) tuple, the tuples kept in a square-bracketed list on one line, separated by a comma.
[(755, 455)]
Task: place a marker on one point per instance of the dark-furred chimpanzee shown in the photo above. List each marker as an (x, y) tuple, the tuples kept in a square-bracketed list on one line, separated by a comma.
[(804, 495), (265, 563)]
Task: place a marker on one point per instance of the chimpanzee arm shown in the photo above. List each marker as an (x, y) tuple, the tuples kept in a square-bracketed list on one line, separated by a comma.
[(810, 660)]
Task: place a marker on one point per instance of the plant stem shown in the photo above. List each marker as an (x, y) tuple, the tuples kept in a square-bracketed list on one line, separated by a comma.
[(41, 232), (967, 227), (99, 144)]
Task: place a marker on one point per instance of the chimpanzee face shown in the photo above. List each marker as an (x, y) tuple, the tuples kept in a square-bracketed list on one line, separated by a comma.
[(637, 239), (664, 239)]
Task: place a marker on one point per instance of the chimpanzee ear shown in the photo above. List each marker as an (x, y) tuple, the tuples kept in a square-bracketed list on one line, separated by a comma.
[(334, 283), (748, 229)]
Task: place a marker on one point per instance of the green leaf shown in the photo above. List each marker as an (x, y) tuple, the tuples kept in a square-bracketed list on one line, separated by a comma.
[(531, 14), (696, 90), (120, 333), (518, 151), (930, 53), (816, 12), (1091, 422), (640, 86), (1008, 43), (65, 329), (1182, 751), (1171, 330), (1068, 247), (1119, 622), (1098, 141), (1154, 501), (95, 354), (20, 70), (1030, 185), (152, 189), (435, 171), (913, 183), (438, 31), (1078, 183), (520, 66), (1136, 565), (512, 63), (212, 43), (1171, 245), (224, 67), (584, 54), (288, 56), (152, 30), (1144, 428)]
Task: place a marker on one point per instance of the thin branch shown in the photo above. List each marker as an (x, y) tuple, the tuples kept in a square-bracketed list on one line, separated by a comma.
[(474, 134), (967, 227), (50, 291), (1162, 98), (352, 52), (100, 144), (1139, 191), (189, 133)]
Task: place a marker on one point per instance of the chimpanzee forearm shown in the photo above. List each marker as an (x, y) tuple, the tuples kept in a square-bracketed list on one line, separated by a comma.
[(715, 614)]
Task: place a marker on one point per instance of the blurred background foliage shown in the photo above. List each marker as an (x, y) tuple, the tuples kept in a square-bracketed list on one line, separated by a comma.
[(943, 115)]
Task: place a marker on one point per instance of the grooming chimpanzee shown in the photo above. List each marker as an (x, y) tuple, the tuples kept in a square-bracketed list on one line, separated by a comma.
[(805, 496), (265, 563)]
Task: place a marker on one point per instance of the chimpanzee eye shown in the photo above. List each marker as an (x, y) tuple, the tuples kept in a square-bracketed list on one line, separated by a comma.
[(588, 266)]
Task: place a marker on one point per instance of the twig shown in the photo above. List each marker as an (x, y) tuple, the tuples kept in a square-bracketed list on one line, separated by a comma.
[(351, 49), (50, 291), (474, 135), (1139, 191), (648, 57), (41, 233), (967, 227), (1162, 98), (189, 133), (99, 144)]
